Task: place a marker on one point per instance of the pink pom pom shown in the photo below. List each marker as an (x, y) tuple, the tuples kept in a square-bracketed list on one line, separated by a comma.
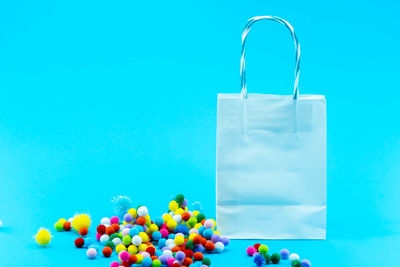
[(124, 255), (170, 261), (98, 236), (164, 226), (251, 250), (114, 220), (164, 233), (114, 264)]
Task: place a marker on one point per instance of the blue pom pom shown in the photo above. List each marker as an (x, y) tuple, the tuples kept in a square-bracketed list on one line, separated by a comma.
[(259, 259), (162, 242), (158, 253), (156, 235), (182, 228), (159, 221), (88, 242), (121, 205), (147, 262), (140, 228), (134, 231), (171, 236), (207, 233), (198, 248), (201, 229)]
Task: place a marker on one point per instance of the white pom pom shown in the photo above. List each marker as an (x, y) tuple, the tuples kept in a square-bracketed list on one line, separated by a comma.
[(105, 221), (91, 253), (104, 239), (136, 240), (177, 218), (294, 257), (142, 211), (167, 252), (219, 247), (117, 241)]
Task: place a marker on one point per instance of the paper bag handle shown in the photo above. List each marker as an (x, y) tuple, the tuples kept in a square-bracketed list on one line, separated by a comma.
[(246, 31)]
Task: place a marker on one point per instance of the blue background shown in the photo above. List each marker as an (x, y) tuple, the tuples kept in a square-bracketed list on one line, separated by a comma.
[(104, 98)]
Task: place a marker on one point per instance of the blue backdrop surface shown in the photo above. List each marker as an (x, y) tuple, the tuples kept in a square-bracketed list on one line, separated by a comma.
[(103, 98)]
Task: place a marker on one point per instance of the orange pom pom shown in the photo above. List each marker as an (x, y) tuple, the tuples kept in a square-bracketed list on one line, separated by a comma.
[(185, 216), (209, 246), (83, 231), (110, 230), (116, 227), (141, 221)]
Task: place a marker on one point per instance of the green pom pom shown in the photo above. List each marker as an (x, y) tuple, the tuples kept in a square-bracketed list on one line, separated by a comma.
[(267, 258), (114, 236), (296, 263), (276, 258), (180, 198), (207, 261), (189, 244), (59, 226), (200, 217), (127, 240), (110, 244), (192, 222)]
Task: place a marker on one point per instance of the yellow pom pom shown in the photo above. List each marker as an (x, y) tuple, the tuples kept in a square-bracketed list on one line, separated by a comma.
[(139, 258), (179, 240), (186, 209), (144, 236), (172, 224), (217, 232), (195, 213), (153, 228), (173, 205), (166, 217), (198, 225), (192, 236), (133, 212), (124, 223), (148, 220), (119, 248), (142, 247), (81, 220), (132, 249), (43, 237), (62, 220), (179, 211)]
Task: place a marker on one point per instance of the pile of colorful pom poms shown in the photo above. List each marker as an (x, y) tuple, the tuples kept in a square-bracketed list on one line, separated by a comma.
[(179, 237), (260, 256)]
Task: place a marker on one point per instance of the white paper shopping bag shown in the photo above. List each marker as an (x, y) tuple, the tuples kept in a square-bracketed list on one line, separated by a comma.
[(271, 161)]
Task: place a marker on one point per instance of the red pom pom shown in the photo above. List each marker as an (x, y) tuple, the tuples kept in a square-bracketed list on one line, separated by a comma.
[(151, 250), (257, 245), (141, 221), (154, 257), (116, 227), (79, 242), (107, 251), (132, 259), (197, 239), (198, 256), (110, 230), (175, 249), (125, 264), (175, 264), (83, 231), (67, 226), (101, 229), (210, 246), (203, 242), (187, 261), (185, 216), (188, 253)]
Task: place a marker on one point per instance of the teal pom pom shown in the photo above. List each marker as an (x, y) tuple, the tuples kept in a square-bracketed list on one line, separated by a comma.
[(275, 258), (121, 205)]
